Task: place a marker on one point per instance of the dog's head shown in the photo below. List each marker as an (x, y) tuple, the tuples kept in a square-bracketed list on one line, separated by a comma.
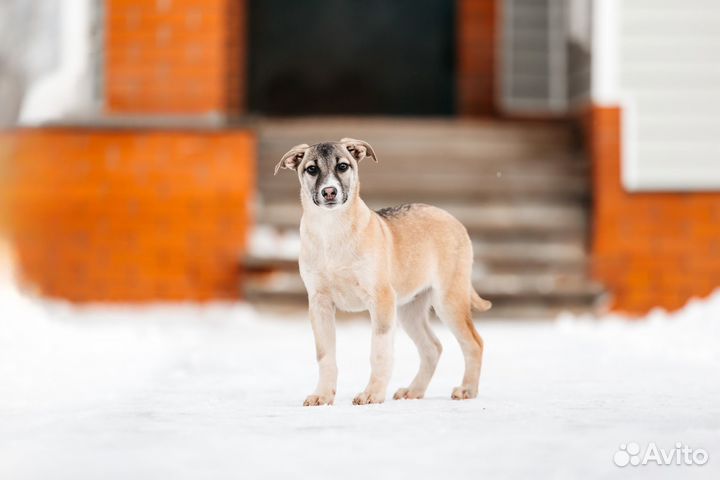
[(328, 171)]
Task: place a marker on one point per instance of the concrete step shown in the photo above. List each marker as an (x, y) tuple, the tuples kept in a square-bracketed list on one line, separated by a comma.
[(377, 187), (430, 156), (279, 251), (515, 310), (527, 292), (287, 282), (471, 155), (399, 129), (551, 219), (422, 164), (524, 255)]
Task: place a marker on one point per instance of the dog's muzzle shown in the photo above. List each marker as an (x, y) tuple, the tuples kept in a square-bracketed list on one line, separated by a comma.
[(329, 196)]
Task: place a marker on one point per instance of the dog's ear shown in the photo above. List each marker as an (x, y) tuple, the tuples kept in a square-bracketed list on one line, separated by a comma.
[(292, 158), (359, 149)]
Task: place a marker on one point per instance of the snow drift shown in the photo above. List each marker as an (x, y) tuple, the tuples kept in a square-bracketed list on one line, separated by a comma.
[(187, 391)]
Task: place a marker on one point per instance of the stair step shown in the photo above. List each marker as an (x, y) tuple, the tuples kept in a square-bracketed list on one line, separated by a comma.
[(287, 283), (395, 188), (490, 217), (273, 250), (517, 309), (397, 157), (318, 129), (429, 146), (518, 256), (531, 285), (415, 166)]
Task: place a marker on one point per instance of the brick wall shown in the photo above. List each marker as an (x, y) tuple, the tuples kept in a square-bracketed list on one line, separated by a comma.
[(476, 46), (189, 56), (128, 215), (649, 249), (175, 56)]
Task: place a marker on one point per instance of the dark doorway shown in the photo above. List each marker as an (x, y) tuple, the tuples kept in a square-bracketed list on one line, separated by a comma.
[(347, 57)]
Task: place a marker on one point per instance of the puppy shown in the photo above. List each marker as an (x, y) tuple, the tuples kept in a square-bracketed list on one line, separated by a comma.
[(396, 263)]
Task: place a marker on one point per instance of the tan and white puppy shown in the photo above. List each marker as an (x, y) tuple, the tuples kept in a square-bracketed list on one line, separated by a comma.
[(396, 263)]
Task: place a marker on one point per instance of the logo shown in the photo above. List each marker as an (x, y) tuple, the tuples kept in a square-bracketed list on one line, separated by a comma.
[(631, 454)]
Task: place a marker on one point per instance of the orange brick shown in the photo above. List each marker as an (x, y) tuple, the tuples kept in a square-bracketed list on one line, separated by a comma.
[(476, 45), (179, 57), (90, 224)]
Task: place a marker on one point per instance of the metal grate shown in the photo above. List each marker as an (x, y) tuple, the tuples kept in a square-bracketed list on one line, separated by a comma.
[(534, 70)]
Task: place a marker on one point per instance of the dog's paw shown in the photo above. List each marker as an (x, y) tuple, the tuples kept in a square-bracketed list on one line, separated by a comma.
[(463, 392), (316, 400), (408, 394), (366, 398)]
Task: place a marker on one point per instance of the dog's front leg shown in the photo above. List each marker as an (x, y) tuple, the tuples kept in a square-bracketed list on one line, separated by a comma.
[(382, 319), (322, 318)]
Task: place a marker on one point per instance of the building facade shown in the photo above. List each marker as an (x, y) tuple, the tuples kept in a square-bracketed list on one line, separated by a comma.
[(167, 125)]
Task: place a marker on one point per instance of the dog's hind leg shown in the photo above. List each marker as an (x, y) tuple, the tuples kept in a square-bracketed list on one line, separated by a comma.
[(454, 308), (414, 320)]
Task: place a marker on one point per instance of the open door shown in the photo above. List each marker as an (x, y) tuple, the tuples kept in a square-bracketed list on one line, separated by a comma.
[(353, 57)]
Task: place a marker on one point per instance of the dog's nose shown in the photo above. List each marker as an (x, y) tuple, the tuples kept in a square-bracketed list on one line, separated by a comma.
[(329, 193)]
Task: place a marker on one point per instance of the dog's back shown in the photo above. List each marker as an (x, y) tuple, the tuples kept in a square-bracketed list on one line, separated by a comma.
[(430, 247)]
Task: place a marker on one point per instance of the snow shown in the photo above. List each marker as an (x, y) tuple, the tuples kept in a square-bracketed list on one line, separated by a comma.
[(215, 391), (269, 242)]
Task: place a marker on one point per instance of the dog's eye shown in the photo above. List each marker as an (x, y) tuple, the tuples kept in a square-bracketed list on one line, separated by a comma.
[(312, 170), (341, 167)]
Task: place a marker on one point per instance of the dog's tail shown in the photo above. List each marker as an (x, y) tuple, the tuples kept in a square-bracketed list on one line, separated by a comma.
[(479, 303)]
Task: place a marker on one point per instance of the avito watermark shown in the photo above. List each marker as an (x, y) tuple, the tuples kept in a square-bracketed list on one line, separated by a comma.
[(681, 454)]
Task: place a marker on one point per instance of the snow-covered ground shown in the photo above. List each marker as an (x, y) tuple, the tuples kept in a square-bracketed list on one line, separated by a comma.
[(216, 392)]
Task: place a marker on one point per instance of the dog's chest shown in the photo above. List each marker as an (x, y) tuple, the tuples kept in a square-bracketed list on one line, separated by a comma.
[(339, 272)]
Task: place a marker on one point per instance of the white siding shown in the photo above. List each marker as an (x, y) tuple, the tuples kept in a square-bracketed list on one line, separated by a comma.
[(669, 83)]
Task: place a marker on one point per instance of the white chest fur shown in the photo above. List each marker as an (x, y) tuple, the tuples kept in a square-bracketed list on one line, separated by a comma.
[(330, 264)]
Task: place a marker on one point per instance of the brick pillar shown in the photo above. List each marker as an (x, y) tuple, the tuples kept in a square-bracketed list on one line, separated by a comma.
[(175, 56), (649, 249), (476, 45)]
